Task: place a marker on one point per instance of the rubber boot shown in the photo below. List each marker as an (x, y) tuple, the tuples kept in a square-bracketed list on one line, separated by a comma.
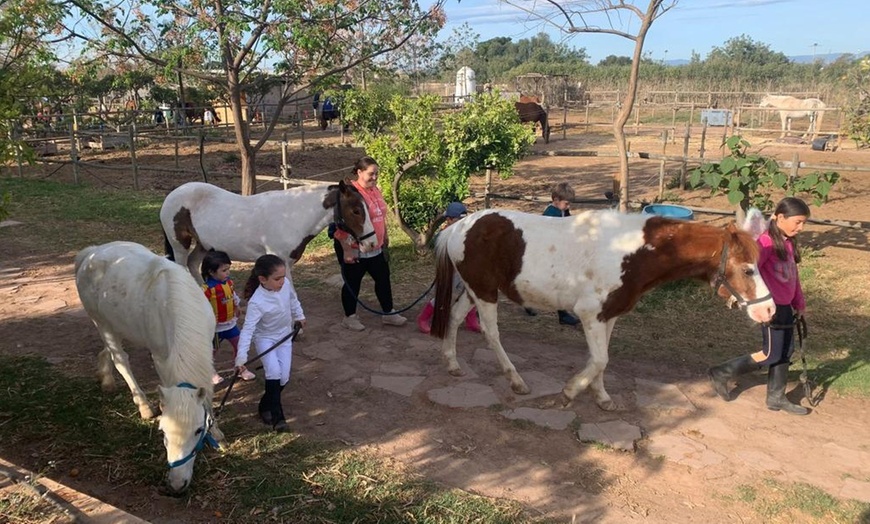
[(424, 321), (777, 377), (472, 322), (265, 407), (567, 318), (721, 374)]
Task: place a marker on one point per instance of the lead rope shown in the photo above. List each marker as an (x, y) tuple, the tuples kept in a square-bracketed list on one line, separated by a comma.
[(800, 326)]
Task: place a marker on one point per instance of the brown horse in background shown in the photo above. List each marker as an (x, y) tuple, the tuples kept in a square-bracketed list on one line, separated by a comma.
[(533, 112)]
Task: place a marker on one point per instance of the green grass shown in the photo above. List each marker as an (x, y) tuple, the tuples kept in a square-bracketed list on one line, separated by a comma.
[(776, 501), (70, 422)]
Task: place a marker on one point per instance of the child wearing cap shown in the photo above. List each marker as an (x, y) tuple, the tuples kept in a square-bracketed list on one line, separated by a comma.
[(455, 211)]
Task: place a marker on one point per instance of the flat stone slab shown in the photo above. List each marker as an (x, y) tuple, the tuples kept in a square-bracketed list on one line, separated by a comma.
[(657, 395), (339, 372), (759, 460), (322, 351), (715, 428), (398, 368), (548, 418), (488, 355), (684, 450), (617, 434), (464, 395), (541, 385), (855, 489), (402, 385)]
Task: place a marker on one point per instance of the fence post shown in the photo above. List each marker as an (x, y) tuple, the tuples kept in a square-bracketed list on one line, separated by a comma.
[(795, 165), (487, 188), (132, 133), (636, 120), (692, 114), (74, 149), (587, 118), (703, 136), (662, 165), (685, 164), (565, 121), (285, 167), (176, 152), (301, 131)]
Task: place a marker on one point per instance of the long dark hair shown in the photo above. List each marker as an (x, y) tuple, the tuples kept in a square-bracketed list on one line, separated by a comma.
[(361, 165), (788, 207), (263, 267), (212, 261)]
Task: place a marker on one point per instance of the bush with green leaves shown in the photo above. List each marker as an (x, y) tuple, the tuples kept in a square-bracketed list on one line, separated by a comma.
[(426, 160), (750, 180)]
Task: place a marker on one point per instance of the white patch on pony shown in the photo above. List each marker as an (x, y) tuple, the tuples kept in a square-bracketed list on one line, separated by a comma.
[(755, 224)]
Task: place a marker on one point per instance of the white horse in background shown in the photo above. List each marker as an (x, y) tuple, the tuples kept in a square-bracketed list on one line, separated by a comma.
[(134, 295), (791, 107)]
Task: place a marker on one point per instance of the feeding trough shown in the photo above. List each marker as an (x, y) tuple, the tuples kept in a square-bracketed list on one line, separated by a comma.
[(669, 211)]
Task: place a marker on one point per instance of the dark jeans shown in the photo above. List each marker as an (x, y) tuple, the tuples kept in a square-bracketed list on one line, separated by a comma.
[(778, 337), (377, 267)]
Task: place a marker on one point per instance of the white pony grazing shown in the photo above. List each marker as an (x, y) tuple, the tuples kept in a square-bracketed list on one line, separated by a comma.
[(197, 217), (134, 295), (791, 107)]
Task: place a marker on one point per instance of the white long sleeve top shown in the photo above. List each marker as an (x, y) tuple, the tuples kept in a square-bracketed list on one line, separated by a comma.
[(270, 316)]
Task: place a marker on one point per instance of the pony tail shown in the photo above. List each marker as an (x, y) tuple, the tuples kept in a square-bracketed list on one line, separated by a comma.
[(443, 289), (251, 285), (778, 242)]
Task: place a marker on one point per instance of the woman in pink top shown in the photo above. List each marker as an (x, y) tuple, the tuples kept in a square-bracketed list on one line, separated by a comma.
[(778, 258), (374, 262)]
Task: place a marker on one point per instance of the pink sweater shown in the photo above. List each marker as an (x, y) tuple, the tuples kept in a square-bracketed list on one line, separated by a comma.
[(781, 276)]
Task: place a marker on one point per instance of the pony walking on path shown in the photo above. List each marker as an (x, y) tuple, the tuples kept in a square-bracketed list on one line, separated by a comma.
[(134, 295), (598, 265), (197, 217), (791, 107)]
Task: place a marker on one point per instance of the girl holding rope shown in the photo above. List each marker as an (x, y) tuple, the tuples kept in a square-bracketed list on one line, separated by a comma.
[(273, 307), (778, 258)]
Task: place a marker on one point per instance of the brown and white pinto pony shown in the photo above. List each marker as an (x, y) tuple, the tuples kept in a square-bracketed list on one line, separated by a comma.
[(533, 112), (197, 217), (596, 264)]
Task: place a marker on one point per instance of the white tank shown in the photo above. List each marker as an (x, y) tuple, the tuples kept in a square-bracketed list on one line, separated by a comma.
[(466, 85)]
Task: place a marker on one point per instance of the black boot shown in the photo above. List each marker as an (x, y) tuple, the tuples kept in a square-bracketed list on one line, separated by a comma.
[(777, 377), (279, 422), (567, 318), (721, 374), (266, 407)]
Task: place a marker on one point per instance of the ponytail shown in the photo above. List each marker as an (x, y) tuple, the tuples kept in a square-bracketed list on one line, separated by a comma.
[(263, 267)]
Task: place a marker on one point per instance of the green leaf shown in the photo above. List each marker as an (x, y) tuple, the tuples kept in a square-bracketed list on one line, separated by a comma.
[(735, 197)]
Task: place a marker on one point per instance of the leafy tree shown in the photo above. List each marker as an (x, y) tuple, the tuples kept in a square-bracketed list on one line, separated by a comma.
[(311, 43), (744, 51), (857, 122), (613, 60), (425, 164), (750, 180)]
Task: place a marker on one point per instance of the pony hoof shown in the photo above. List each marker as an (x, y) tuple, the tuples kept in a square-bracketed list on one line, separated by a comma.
[(147, 412), (607, 405), (520, 389), (456, 372)]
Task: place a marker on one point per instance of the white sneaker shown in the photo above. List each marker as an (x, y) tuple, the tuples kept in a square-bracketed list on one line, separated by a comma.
[(352, 323), (247, 375), (394, 320), (216, 379)]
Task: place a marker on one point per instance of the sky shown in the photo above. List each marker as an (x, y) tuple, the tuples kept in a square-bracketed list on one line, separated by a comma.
[(793, 27)]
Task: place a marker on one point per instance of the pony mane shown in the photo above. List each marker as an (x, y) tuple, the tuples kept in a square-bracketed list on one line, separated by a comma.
[(189, 335)]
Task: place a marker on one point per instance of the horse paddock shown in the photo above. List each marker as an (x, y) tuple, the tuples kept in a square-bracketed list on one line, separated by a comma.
[(671, 452)]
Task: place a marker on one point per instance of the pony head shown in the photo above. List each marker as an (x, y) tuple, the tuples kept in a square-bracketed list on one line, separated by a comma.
[(738, 280), (766, 101), (350, 214), (186, 422)]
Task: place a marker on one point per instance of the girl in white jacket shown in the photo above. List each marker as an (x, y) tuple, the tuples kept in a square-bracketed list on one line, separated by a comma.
[(273, 307)]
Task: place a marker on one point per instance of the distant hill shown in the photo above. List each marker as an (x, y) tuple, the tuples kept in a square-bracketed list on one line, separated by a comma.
[(800, 59)]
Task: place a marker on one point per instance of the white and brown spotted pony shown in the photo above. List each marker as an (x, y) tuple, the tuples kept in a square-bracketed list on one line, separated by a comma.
[(596, 264), (791, 107), (133, 295), (197, 217)]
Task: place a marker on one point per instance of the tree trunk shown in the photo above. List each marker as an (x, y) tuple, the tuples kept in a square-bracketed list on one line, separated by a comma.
[(628, 104), (242, 129)]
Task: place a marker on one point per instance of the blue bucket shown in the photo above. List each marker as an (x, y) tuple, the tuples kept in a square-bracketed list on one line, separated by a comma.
[(669, 211)]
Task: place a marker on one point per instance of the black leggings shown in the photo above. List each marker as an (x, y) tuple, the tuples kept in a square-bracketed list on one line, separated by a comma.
[(375, 266), (777, 338)]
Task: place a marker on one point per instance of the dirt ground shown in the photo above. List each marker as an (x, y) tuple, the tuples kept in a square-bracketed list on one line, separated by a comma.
[(478, 449)]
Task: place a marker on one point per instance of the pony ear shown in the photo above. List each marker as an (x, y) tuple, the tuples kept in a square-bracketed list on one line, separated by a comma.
[(755, 224), (200, 394)]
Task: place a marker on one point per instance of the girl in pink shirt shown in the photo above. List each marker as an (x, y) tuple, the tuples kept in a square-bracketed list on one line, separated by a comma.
[(778, 258)]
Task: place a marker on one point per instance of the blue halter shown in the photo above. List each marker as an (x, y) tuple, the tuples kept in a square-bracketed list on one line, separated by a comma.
[(204, 436)]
